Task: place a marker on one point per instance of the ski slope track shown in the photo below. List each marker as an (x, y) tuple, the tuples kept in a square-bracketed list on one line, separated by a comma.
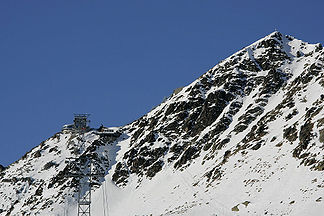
[(245, 138)]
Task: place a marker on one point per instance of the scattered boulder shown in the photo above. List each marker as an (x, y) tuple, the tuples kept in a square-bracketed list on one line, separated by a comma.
[(235, 208)]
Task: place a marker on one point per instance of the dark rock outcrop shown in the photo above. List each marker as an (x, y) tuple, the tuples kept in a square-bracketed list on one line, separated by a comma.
[(2, 168)]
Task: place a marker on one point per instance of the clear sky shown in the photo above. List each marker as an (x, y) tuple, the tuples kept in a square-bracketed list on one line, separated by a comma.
[(119, 59)]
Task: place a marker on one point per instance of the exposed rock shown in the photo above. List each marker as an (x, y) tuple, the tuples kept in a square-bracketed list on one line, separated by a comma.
[(320, 166), (49, 165), (321, 137), (246, 203), (39, 191), (305, 136), (121, 174), (2, 168), (37, 154), (290, 133), (256, 146), (156, 167), (189, 154), (235, 208)]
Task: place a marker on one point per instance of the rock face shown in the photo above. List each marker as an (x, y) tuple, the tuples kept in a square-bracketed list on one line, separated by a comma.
[(230, 99), (250, 130)]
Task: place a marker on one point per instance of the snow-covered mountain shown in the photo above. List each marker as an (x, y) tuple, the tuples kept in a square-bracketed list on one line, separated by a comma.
[(245, 138)]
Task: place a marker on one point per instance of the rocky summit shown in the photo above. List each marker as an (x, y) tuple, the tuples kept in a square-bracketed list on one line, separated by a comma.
[(245, 138)]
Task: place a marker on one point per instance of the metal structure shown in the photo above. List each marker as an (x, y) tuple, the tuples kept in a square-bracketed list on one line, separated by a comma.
[(81, 168), (81, 122), (83, 173)]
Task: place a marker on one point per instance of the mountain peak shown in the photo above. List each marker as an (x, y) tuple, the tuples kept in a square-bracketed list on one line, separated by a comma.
[(275, 33), (243, 131)]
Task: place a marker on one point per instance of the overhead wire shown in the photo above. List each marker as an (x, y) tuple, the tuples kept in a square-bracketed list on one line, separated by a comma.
[(190, 186), (106, 197), (209, 197), (103, 199)]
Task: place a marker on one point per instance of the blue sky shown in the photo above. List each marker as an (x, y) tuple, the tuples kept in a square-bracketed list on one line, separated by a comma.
[(119, 59)]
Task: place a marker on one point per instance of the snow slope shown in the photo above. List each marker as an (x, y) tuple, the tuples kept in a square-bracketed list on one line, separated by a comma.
[(245, 138)]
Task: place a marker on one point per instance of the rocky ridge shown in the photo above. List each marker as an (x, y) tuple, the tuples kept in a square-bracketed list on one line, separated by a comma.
[(199, 118)]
